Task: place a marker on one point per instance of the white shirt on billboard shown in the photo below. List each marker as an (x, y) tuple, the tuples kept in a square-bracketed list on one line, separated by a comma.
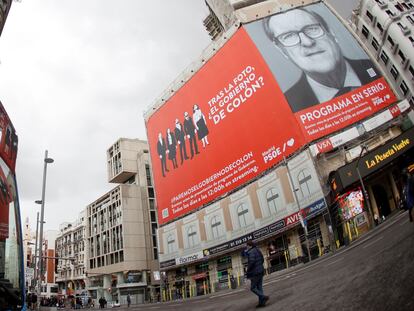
[(325, 93)]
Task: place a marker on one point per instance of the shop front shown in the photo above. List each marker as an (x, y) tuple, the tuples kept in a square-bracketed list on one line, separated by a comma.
[(379, 171)]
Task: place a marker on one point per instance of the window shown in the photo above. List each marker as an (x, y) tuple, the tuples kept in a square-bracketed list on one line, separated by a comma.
[(402, 26), (375, 44), (148, 174), (410, 19), (379, 26), (370, 16), (272, 197), (216, 226), (365, 32), (390, 13), (399, 7), (404, 88), (411, 40), (304, 178), (411, 70), (394, 72), (151, 192), (391, 41), (171, 243), (384, 57), (242, 210), (402, 56), (191, 236)]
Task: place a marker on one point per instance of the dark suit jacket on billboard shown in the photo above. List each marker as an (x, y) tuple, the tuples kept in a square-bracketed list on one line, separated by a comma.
[(161, 148), (301, 95)]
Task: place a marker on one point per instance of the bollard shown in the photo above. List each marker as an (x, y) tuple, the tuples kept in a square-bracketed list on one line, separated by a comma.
[(318, 241)]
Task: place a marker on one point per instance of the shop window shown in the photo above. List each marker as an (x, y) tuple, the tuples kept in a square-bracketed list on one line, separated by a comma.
[(171, 243), (216, 227), (191, 236), (242, 211), (304, 178), (272, 198)]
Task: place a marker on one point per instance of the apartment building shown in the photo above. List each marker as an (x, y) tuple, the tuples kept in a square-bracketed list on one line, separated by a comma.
[(121, 229), (386, 28), (70, 249)]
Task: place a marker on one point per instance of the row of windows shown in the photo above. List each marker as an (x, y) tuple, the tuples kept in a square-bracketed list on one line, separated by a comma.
[(273, 203), (385, 59), (106, 260)]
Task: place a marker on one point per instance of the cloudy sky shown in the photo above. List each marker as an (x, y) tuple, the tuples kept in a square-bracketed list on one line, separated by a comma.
[(76, 75)]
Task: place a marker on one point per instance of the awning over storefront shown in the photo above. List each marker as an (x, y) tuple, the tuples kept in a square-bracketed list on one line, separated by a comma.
[(372, 161)]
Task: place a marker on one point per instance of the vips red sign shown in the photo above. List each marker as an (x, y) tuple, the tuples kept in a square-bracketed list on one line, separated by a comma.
[(225, 126)]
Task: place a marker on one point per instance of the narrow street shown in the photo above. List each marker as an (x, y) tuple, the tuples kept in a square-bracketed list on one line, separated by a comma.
[(374, 273)]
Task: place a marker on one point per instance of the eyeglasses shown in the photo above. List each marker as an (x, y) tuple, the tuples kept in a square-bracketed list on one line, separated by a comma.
[(292, 38)]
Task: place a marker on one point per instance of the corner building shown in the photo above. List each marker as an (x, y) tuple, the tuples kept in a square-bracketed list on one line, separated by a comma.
[(299, 181), (120, 229)]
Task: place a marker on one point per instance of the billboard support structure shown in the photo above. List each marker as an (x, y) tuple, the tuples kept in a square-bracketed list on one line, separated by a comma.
[(302, 221)]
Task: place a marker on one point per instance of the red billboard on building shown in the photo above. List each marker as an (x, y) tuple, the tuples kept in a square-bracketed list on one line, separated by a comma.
[(228, 124), (277, 84), (327, 78)]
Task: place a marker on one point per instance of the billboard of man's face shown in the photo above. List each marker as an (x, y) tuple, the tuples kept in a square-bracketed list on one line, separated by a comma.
[(303, 37)]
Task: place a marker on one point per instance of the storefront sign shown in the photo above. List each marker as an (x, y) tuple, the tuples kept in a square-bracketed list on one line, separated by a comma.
[(189, 258), (271, 229), (199, 276), (376, 159)]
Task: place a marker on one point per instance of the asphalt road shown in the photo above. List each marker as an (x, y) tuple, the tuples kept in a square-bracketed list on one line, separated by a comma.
[(376, 272)]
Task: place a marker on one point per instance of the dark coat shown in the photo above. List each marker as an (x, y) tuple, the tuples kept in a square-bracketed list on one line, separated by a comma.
[(254, 262), (161, 148), (189, 127), (179, 134), (171, 147), (301, 96)]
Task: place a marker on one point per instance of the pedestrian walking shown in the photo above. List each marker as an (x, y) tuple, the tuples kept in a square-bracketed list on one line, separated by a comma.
[(255, 272), (128, 300), (408, 193)]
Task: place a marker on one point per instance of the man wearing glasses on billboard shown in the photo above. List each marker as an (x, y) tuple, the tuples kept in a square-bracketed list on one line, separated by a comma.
[(306, 40)]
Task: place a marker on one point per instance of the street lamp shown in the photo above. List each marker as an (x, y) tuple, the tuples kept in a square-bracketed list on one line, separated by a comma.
[(302, 221), (361, 181), (42, 210)]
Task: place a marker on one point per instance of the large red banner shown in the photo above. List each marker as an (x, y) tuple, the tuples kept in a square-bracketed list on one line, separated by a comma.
[(326, 118), (228, 124)]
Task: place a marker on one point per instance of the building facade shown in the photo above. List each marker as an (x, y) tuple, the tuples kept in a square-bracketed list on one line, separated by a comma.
[(342, 178), (121, 228), (70, 251), (386, 28)]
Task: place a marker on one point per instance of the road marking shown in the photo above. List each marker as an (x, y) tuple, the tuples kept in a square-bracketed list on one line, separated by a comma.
[(226, 294), (372, 242), (335, 261)]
